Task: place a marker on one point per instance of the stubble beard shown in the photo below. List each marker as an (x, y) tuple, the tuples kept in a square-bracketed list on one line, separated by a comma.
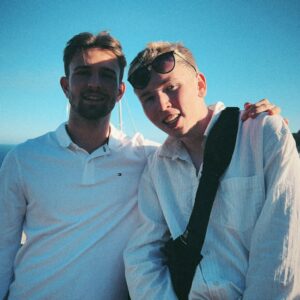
[(93, 111)]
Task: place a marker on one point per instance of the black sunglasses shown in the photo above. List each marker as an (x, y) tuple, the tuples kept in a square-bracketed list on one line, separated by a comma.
[(163, 64)]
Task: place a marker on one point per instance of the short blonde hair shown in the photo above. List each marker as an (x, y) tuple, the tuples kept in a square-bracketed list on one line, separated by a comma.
[(154, 49)]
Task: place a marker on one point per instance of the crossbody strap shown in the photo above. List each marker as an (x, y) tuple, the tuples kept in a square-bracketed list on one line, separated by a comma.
[(217, 156)]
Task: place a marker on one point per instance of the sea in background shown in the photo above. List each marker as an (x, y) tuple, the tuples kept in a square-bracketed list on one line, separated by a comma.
[(3, 151)]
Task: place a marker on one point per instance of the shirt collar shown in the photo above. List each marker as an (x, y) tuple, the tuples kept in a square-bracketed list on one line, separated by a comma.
[(115, 138), (64, 140), (62, 136), (173, 148), (217, 109)]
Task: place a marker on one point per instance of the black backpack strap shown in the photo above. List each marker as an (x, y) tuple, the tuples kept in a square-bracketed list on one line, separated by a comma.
[(184, 253)]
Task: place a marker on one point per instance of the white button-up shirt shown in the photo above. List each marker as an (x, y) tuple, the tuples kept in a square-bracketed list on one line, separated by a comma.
[(78, 211), (252, 246)]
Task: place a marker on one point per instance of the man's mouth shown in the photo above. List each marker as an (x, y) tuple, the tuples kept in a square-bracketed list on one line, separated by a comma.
[(171, 119), (93, 97)]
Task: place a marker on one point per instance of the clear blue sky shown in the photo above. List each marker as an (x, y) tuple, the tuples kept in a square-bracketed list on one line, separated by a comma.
[(246, 49)]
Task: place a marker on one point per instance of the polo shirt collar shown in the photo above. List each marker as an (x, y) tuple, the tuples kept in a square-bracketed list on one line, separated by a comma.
[(64, 140), (115, 138), (62, 136)]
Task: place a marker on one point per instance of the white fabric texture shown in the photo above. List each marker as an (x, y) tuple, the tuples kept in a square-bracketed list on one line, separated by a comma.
[(78, 211), (252, 246)]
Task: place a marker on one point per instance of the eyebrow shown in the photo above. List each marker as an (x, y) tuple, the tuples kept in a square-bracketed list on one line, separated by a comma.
[(81, 67), (109, 70), (86, 67)]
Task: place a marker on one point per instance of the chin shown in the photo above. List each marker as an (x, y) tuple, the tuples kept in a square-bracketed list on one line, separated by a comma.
[(175, 133)]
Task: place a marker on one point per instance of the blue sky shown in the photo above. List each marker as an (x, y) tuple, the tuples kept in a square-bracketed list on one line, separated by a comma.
[(246, 49)]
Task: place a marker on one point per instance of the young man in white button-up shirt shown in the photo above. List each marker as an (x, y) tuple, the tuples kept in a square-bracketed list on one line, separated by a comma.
[(74, 191), (252, 245)]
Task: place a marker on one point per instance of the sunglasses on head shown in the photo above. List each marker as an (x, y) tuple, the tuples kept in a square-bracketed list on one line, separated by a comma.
[(162, 64)]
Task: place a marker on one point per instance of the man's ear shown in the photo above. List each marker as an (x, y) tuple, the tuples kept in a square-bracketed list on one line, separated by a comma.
[(201, 85), (64, 83), (121, 91)]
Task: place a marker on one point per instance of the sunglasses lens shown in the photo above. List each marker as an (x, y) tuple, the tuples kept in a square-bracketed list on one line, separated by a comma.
[(164, 63), (139, 78)]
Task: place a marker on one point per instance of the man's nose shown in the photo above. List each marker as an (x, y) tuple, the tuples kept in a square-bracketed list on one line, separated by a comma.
[(164, 101), (94, 80)]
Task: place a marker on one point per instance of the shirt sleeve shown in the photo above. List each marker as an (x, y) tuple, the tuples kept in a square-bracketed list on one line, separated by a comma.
[(274, 256), (146, 272), (12, 211)]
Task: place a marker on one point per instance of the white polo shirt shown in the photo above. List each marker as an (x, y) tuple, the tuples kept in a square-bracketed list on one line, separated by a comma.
[(77, 210)]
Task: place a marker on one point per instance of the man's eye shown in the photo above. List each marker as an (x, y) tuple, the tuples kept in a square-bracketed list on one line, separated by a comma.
[(109, 75), (82, 72), (171, 87)]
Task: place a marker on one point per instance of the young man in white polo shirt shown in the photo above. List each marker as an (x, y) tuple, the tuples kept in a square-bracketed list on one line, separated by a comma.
[(73, 191)]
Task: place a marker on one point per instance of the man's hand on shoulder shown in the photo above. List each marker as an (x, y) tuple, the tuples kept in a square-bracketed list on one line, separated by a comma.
[(264, 105)]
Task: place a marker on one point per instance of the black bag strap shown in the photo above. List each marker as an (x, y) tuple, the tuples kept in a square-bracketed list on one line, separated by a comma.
[(218, 152)]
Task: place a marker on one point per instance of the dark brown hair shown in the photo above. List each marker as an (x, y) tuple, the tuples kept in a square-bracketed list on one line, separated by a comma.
[(87, 40)]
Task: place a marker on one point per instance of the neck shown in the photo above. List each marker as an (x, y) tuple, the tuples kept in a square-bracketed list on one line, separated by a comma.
[(193, 141), (87, 134)]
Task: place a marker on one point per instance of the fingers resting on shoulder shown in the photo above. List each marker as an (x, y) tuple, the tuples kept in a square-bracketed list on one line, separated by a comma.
[(264, 105)]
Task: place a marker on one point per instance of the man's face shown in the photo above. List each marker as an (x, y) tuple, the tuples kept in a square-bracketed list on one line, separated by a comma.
[(174, 101), (93, 85)]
